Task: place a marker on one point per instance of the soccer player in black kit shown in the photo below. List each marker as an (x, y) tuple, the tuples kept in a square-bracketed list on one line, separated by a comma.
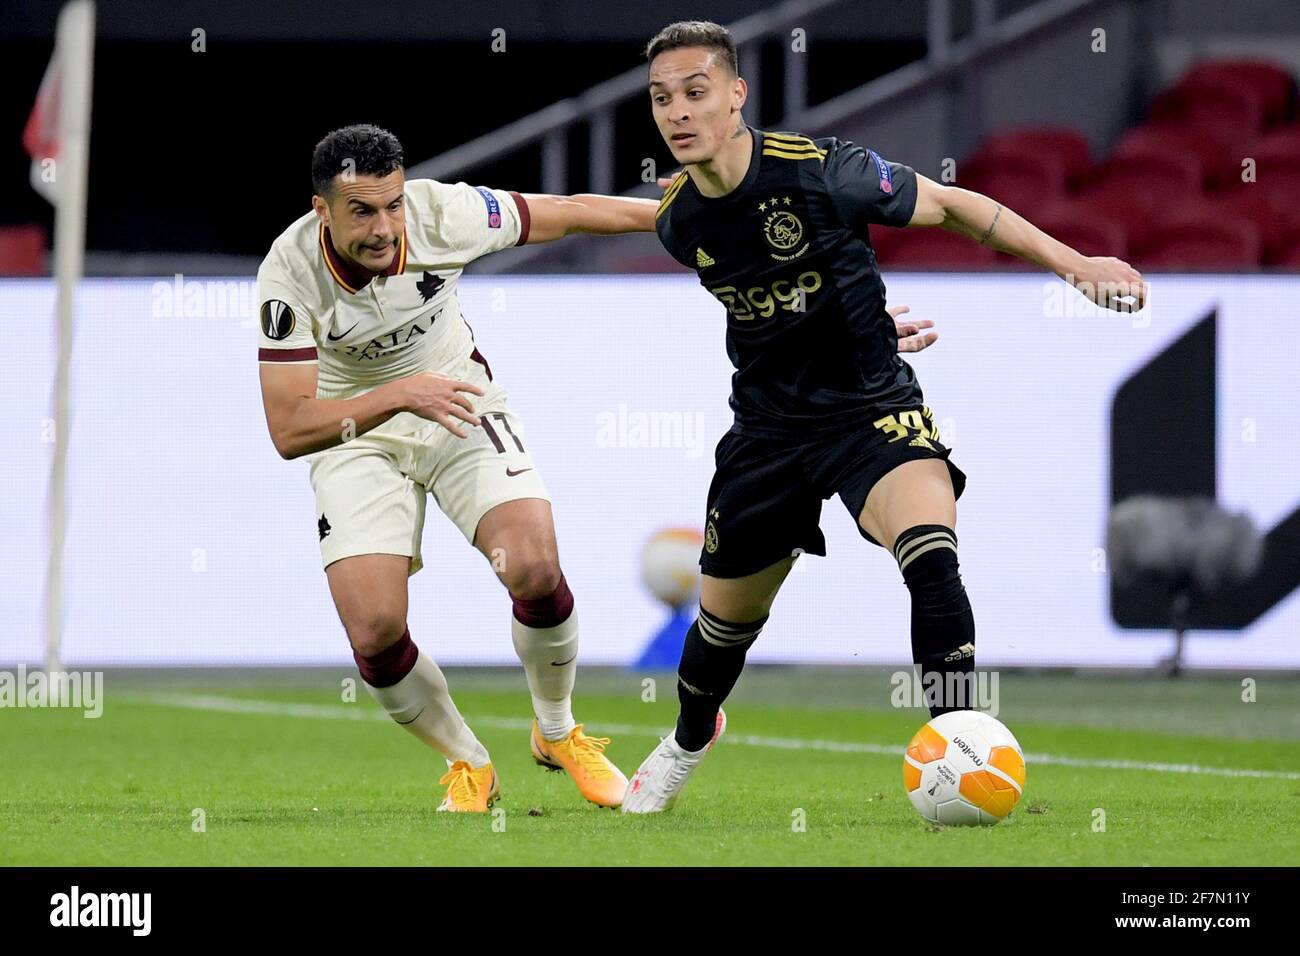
[(775, 224)]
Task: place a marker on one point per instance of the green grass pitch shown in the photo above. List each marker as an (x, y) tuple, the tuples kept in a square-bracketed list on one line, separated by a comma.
[(286, 772)]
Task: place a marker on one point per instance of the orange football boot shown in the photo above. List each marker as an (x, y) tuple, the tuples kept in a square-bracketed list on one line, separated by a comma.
[(583, 758), (469, 789)]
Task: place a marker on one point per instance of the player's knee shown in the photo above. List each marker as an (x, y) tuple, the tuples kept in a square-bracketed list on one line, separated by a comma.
[(532, 573), (374, 630)]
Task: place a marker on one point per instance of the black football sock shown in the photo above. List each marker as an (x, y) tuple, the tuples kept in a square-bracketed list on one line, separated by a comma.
[(712, 659), (943, 626)]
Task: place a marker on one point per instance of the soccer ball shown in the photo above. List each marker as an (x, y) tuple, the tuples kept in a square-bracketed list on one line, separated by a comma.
[(964, 768), (670, 565)]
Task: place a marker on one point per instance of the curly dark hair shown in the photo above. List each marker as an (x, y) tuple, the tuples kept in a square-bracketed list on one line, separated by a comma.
[(686, 33), (373, 152)]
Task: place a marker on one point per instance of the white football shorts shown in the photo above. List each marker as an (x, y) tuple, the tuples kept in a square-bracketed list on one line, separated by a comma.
[(370, 490)]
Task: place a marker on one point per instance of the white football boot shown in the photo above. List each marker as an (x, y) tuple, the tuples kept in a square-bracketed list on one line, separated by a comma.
[(661, 777)]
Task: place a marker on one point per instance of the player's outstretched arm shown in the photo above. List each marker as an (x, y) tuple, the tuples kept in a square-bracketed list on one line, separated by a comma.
[(554, 217), (300, 423), (1103, 279)]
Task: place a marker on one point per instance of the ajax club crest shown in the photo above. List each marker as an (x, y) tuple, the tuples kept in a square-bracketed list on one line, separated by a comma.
[(782, 229)]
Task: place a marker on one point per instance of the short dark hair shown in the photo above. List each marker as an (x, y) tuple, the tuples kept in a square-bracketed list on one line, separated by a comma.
[(687, 33), (372, 151)]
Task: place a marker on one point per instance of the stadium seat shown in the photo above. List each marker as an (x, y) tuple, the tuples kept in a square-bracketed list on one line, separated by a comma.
[(1061, 145), (1281, 243), (1219, 163), (1277, 172), (22, 250), (1150, 175), (1280, 140), (1200, 240), (1016, 180), (1286, 259), (1229, 106), (933, 248), (1248, 202), (881, 238), (1273, 83), (1092, 230), (1132, 189)]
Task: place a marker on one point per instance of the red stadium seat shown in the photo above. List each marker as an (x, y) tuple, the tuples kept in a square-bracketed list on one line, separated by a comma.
[(882, 237), (1142, 184), (1276, 188), (1172, 173), (1280, 140), (1277, 173), (934, 248), (1229, 106), (1200, 241), (1248, 202), (1273, 83), (1280, 242), (1060, 145), (22, 251), (1015, 180), (1288, 259), (1218, 161), (1084, 226), (1117, 203)]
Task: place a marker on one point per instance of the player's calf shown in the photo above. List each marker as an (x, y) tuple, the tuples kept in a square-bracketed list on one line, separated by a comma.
[(413, 691), (943, 625), (712, 658), (544, 630), (545, 634)]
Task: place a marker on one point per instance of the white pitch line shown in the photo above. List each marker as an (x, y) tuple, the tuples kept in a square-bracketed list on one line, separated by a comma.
[(272, 708)]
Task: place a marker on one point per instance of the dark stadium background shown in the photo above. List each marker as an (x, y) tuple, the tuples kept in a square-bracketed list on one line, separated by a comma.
[(220, 161)]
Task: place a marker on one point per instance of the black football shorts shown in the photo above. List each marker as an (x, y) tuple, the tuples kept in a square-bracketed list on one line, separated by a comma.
[(765, 500)]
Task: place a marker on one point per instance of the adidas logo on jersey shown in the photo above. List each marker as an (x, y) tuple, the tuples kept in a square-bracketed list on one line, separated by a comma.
[(920, 441), (702, 259)]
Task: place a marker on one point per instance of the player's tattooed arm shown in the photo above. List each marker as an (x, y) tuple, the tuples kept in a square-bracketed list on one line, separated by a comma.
[(1107, 281), (554, 217)]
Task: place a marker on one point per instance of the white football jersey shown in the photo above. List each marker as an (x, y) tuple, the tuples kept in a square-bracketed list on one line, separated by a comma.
[(364, 329)]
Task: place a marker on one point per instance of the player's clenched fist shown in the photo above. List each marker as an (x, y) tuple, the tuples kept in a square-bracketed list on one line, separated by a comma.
[(1111, 283), (439, 398)]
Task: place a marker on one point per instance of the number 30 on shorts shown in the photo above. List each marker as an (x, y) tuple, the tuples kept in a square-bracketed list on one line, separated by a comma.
[(913, 421)]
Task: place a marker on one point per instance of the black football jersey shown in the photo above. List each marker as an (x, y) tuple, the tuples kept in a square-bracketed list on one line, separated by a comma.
[(787, 253)]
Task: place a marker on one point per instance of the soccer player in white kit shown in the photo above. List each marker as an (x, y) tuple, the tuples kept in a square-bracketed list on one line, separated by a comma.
[(369, 370)]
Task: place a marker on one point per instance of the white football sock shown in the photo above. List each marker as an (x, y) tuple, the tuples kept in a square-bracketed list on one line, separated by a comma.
[(540, 649), (422, 704)]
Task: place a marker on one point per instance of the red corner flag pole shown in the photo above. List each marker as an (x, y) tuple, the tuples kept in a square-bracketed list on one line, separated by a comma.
[(57, 137)]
